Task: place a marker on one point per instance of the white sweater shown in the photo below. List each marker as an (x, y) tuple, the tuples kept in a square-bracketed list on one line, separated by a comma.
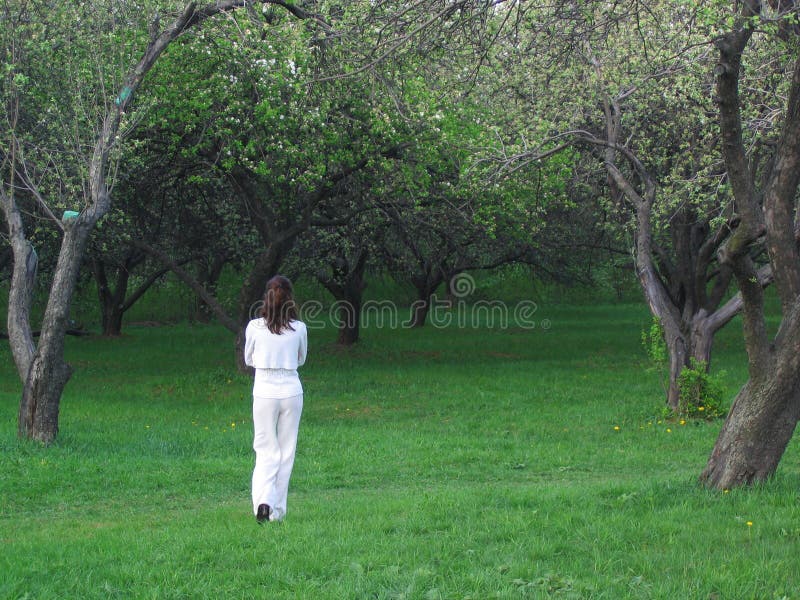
[(275, 358)]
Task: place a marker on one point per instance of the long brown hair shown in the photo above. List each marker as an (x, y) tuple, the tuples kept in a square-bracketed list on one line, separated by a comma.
[(279, 306)]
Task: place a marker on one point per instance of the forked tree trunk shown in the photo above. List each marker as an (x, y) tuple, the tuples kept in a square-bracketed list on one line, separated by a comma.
[(425, 285), (697, 345), (111, 301), (764, 414), (49, 373)]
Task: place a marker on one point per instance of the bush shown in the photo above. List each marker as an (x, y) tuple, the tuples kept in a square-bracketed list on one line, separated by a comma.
[(700, 392)]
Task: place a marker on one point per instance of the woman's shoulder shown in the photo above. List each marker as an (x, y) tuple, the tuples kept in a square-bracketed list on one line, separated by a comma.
[(257, 324), (297, 324)]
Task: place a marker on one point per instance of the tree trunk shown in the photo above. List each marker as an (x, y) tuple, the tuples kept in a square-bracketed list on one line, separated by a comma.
[(349, 320), (697, 345), (759, 426), (353, 288), (49, 373), (111, 319), (678, 361), (20, 297), (41, 396), (112, 302), (251, 294), (209, 277), (426, 286), (702, 339), (765, 412), (420, 309)]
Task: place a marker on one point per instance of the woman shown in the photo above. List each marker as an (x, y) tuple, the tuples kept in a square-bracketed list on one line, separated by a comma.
[(275, 345)]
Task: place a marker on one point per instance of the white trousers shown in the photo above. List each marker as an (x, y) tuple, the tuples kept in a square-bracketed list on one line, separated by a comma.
[(276, 422)]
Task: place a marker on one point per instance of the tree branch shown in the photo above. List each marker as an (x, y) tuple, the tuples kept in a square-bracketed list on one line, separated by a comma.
[(227, 321), (147, 283), (720, 317)]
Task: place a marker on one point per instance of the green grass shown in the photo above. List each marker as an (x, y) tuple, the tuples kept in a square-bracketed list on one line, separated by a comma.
[(436, 463)]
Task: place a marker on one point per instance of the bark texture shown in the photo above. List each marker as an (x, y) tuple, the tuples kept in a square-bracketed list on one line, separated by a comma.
[(48, 372)]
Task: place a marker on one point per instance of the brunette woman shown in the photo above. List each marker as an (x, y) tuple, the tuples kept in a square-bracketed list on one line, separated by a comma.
[(275, 345)]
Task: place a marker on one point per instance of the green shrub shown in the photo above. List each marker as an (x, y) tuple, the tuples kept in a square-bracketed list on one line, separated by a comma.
[(700, 392)]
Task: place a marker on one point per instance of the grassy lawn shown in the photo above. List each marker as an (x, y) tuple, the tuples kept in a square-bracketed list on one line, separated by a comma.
[(436, 463)]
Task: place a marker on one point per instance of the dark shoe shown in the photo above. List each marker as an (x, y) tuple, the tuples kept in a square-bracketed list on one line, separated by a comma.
[(263, 513)]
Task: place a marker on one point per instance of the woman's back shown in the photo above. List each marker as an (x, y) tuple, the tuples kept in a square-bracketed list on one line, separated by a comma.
[(267, 350)]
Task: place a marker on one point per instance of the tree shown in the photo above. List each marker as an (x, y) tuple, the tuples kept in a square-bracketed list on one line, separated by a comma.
[(286, 146), (86, 132), (622, 85), (765, 412)]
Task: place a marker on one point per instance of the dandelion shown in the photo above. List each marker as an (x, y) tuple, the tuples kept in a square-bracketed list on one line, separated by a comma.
[(616, 427), (749, 523), (683, 422), (233, 424), (725, 491), (669, 430), (701, 408)]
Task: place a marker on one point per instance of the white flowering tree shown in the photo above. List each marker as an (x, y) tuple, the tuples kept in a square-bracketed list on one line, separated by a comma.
[(286, 145)]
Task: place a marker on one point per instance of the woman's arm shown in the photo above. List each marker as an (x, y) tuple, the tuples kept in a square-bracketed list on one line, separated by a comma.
[(249, 346), (302, 350)]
